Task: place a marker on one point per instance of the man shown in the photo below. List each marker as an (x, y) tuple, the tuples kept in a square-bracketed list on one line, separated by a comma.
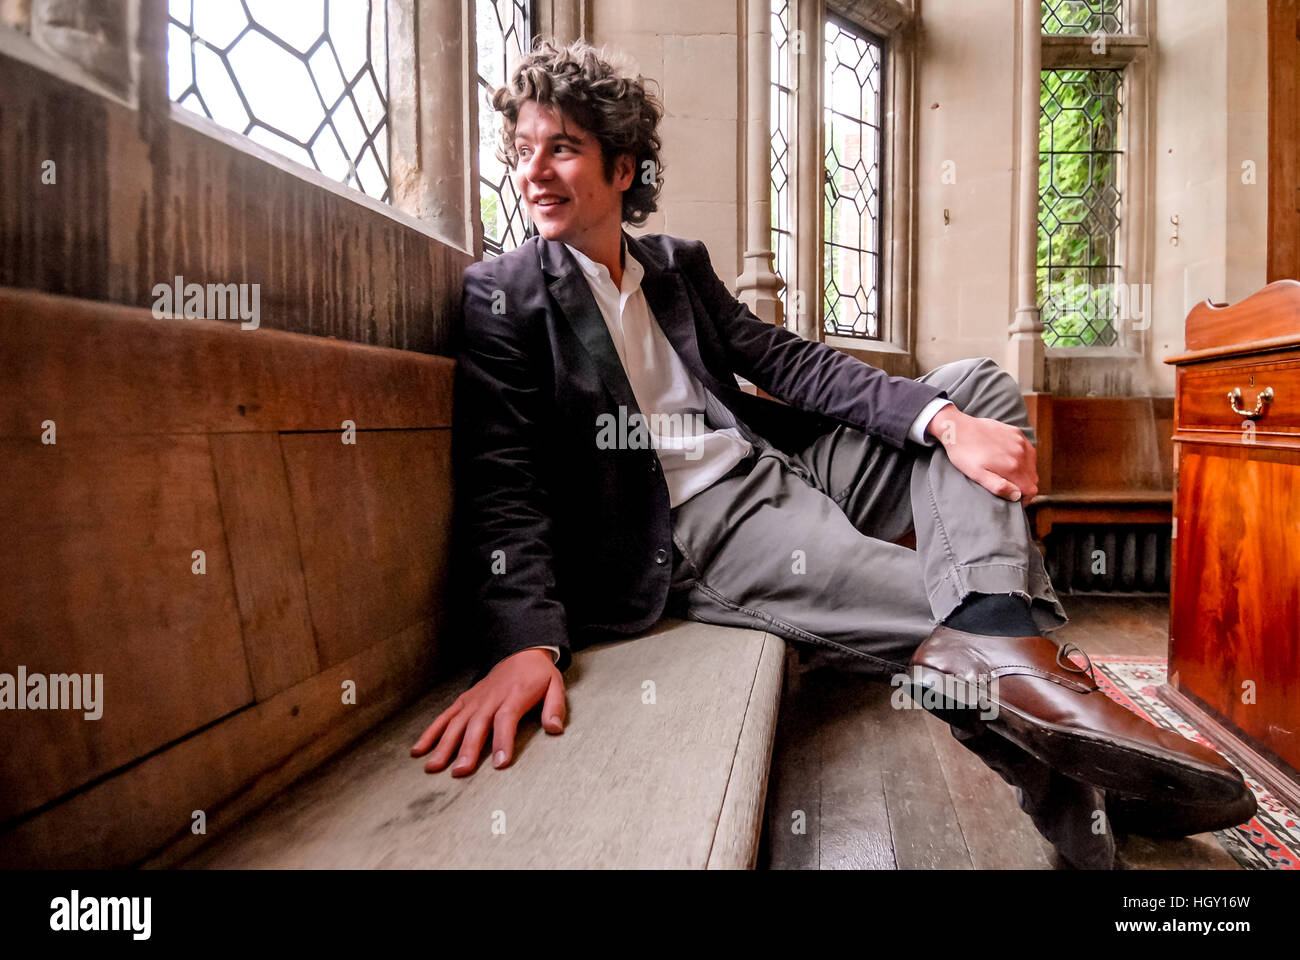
[(610, 470)]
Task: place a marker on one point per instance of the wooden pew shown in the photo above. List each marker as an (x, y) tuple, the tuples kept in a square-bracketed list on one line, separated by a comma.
[(314, 612)]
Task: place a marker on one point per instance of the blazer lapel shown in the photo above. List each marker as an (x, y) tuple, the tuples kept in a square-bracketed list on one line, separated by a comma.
[(665, 293), (569, 288)]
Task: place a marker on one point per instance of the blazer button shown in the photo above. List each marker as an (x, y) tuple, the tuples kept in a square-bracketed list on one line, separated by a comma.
[(661, 556)]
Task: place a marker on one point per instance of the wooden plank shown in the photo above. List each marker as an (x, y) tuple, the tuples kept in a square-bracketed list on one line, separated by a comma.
[(269, 586), (96, 578), (854, 822), (171, 376), (227, 770), (374, 521), (998, 834), (927, 833), (792, 815)]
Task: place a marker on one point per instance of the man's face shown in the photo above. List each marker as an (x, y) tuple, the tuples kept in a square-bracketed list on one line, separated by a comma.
[(562, 181)]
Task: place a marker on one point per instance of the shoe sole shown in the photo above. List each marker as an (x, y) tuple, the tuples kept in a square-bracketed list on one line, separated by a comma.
[(1164, 821), (1130, 769)]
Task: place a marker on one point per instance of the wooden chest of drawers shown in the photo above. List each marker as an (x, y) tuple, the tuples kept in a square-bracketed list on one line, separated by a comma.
[(1234, 637)]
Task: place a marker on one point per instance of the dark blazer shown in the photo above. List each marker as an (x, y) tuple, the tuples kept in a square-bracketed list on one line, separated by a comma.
[(556, 540)]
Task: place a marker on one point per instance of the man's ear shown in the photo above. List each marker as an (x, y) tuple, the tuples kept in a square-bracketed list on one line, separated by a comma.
[(625, 169)]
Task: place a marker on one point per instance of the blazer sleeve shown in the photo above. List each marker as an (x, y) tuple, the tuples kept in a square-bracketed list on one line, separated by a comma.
[(808, 374), (504, 526)]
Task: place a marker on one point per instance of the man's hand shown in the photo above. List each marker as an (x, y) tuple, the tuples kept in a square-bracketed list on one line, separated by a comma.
[(995, 455), (496, 702)]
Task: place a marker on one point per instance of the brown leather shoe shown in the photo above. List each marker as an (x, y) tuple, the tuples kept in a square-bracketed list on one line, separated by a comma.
[(1035, 696)]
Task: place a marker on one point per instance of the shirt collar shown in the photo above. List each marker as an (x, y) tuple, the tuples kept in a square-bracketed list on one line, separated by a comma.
[(632, 269)]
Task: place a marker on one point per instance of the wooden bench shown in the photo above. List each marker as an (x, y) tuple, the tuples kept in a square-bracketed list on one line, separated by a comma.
[(1102, 460), (246, 534)]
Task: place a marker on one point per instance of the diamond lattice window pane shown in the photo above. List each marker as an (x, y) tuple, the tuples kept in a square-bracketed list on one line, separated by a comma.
[(279, 72), (503, 31), (782, 123), (853, 65), (1082, 17), (1079, 205)]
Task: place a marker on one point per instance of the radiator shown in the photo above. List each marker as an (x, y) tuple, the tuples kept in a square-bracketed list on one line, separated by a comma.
[(1109, 558)]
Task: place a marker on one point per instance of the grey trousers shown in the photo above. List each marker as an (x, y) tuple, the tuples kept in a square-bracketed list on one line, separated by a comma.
[(802, 546)]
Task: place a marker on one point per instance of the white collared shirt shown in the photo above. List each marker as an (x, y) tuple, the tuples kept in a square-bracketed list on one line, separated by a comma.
[(686, 425)]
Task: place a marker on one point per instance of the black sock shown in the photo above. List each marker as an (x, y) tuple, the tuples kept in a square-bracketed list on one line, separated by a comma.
[(994, 615)]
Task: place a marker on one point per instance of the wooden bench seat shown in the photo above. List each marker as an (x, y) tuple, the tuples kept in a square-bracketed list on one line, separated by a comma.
[(189, 516), (672, 781)]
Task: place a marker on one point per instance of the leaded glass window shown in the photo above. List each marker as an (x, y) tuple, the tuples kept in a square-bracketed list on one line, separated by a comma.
[(781, 119), (1086, 17), (854, 71), (503, 31), (308, 79), (1079, 206)]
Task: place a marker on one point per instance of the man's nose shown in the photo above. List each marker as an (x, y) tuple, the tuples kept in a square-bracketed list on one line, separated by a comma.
[(535, 168)]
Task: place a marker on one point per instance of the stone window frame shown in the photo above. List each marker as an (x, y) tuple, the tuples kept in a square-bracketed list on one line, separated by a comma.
[(1132, 51), (433, 115), (433, 111), (894, 22)]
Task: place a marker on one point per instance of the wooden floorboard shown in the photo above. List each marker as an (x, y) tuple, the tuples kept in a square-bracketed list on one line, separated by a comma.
[(882, 788)]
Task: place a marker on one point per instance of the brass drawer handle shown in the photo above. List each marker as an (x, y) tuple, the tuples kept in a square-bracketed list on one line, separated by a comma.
[(1265, 396)]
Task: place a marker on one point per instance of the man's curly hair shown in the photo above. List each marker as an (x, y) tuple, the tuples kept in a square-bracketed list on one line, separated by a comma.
[(598, 92)]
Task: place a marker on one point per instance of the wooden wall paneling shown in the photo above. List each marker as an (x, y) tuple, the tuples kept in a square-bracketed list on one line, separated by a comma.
[(374, 522), (167, 376), (227, 770), (1039, 408), (1283, 142), (1112, 444), (126, 213), (96, 577), (269, 585)]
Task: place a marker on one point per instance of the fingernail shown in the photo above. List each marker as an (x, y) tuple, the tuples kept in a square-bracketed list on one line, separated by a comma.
[(461, 764), (499, 758)]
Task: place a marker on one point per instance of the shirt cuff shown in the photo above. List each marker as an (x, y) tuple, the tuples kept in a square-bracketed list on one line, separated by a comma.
[(555, 652), (916, 433)]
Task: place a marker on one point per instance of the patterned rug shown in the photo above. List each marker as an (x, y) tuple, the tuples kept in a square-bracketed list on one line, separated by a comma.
[(1271, 840)]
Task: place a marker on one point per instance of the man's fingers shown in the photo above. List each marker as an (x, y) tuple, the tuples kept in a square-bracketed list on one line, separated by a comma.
[(554, 711), (450, 741), (472, 744), (999, 486), (505, 726), (434, 731)]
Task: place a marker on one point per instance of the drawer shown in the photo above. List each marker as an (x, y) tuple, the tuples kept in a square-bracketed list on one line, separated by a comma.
[(1203, 402)]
